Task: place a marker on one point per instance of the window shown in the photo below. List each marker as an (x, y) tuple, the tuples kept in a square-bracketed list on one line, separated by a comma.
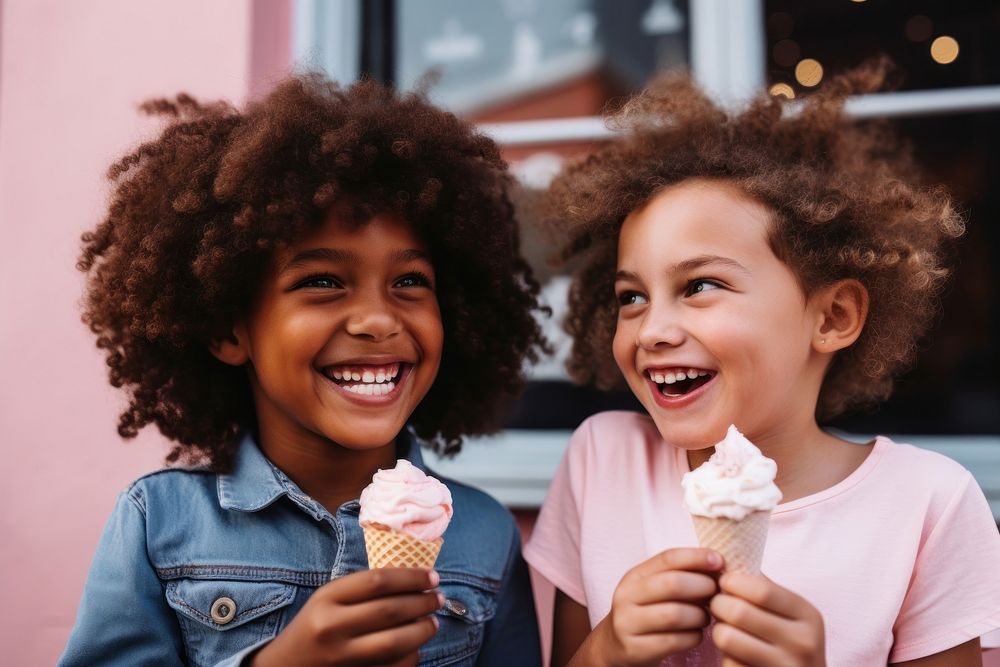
[(537, 74)]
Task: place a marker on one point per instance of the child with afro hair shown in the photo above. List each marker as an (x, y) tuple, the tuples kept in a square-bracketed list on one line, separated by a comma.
[(297, 294), (769, 269)]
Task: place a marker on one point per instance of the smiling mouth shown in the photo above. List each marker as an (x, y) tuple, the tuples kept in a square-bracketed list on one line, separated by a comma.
[(367, 380), (679, 381)]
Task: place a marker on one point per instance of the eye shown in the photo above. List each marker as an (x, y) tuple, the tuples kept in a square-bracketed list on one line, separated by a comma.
[(631, 299), (414, 279), (319, 282), (700, 285)]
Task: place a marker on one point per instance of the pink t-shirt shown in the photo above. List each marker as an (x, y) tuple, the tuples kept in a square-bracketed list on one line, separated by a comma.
[(902, 557)]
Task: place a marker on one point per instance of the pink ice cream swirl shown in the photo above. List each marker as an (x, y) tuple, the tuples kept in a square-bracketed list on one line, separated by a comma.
[(406, 500)]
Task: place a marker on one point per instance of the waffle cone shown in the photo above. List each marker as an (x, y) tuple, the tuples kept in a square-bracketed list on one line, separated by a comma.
[(389, 548), (741, 543)]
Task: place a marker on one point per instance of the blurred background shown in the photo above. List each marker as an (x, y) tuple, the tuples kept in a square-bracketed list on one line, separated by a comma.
[(534, 74)]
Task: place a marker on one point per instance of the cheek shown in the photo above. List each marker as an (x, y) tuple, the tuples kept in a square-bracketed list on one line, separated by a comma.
[(285, 339), (436, 342), (431, 332), (623, 346), (300, 336), (301, 326), (759, 348), (725, 329)]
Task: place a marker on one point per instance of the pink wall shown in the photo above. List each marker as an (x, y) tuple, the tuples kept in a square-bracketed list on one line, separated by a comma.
[(71, 74)]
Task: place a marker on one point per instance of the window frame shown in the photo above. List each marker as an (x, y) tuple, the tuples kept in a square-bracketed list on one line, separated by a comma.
[(727, 58)]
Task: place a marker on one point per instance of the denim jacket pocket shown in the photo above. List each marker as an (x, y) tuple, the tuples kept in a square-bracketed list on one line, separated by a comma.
[(468, 606), (219, 618)]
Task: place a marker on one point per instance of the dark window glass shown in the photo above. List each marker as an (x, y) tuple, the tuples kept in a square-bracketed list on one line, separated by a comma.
[(935, 44), (955, 385)]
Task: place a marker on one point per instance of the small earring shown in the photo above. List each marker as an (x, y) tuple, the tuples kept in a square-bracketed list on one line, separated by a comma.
[(822, 341)]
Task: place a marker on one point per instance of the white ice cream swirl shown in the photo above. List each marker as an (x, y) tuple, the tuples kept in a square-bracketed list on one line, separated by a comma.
[(734, 482)]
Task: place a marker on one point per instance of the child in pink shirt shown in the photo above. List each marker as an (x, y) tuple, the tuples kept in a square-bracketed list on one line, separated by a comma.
[(769, 271)]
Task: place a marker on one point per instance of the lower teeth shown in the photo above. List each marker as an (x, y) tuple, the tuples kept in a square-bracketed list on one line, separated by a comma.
[(371, 389), (682, 387)]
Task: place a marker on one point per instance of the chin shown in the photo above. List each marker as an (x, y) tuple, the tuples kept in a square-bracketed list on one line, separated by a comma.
[(689, 436), (364, 437)]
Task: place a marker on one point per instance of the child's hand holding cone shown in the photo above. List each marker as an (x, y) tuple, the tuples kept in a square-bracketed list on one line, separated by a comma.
[(758, 622), (761, 623), (369, 617)]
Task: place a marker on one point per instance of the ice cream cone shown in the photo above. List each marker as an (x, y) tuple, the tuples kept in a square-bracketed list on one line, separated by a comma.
[(741, 542), (404, 512), (390, 548)]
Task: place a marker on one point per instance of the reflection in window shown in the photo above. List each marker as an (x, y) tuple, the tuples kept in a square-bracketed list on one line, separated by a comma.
[(499, 58)]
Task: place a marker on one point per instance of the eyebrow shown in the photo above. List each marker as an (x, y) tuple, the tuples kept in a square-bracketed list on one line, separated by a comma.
[(337, 256), (411, 255), (691, 264), (706, 260)]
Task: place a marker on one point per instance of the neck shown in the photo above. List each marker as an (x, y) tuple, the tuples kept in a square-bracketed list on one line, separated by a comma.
[(326, 471)]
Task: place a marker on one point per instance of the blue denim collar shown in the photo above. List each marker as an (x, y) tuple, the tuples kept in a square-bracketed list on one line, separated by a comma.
[(255, 482)]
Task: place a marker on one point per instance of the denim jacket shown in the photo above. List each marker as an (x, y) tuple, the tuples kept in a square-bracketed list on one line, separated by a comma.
[(198, 568)]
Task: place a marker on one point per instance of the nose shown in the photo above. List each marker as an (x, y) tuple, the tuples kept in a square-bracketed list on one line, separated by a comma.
[(660, 327), (373, 318)]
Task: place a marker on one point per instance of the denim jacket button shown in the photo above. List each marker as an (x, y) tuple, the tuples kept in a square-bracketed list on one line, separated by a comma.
[(223, 610), (455, 607)]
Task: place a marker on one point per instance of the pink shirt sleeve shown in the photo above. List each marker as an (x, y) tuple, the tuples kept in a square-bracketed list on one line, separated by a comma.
[(554, 548), (954, 592)]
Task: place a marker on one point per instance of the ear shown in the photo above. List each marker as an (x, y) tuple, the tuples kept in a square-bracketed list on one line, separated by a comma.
[(232, 348), (841, 311)]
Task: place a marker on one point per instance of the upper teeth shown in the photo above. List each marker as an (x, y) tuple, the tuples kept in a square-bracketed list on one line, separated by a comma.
[(670, 377), (369, 375)]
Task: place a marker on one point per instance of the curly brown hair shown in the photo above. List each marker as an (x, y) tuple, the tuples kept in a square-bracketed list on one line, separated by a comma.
[(845, 200), (197, 213)]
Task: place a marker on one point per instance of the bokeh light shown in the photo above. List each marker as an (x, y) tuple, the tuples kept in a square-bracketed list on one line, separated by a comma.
[(782, 90), (918, 28), (780, 25), (809, 72), (944, 49), (786, 53)]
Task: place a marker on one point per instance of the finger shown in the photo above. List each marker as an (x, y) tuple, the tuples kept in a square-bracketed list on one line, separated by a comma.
[(748, 617), (730, 662), (655, 647), (744, 647), (675, 585), (409, 661), (764, 593), (371, 584), (690, 559), (394, 644), (668, 617), (389, 612)]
